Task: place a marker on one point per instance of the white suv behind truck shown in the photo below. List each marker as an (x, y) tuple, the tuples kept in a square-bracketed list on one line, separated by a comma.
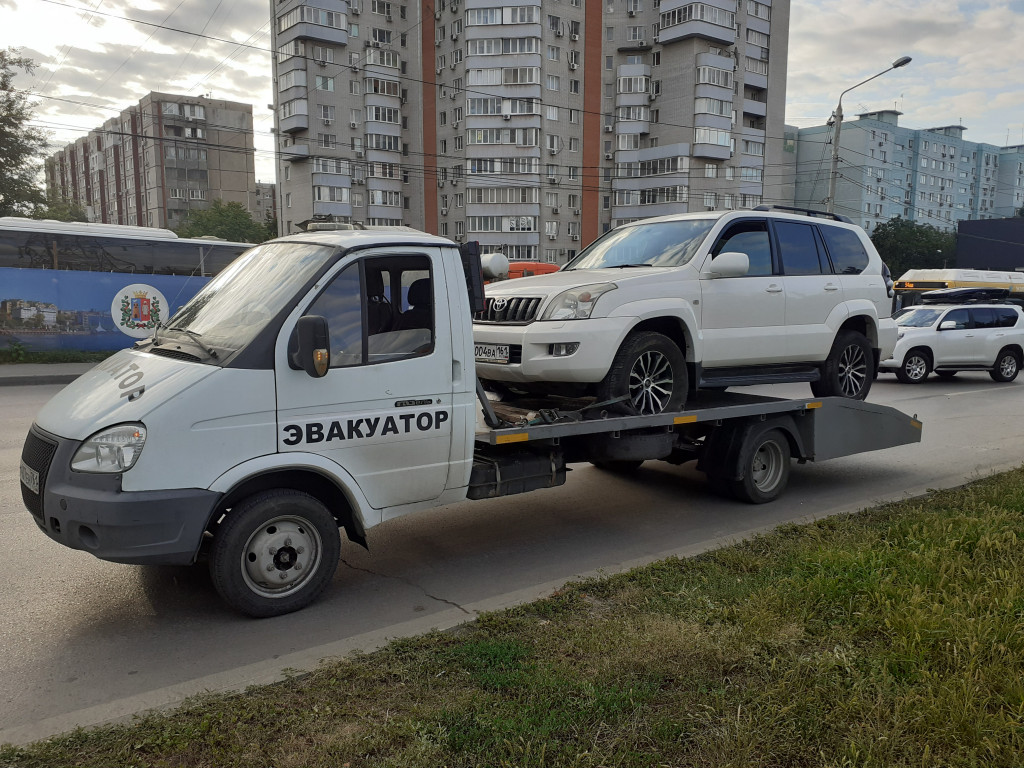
[(655, 309)]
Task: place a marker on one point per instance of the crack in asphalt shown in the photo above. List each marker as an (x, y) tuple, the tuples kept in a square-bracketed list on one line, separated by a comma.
[(408, 582)]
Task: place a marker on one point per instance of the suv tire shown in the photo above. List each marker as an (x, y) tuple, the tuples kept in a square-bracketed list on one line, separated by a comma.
[(917, 364), (1007, 366), (648, 373), (848, 370)]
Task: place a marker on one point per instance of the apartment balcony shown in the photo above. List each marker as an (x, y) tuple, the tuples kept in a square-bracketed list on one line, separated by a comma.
[(325, 208), (295, 152), (696, 28), (755, 80), (751, 107), (293, 124), (315, 32), (711, 151)]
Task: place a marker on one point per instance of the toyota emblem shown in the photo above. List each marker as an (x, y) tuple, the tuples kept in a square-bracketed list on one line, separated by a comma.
[(499, 304)]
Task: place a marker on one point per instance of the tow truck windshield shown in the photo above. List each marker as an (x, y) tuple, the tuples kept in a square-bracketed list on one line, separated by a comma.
[(659, 244), (236, 305)]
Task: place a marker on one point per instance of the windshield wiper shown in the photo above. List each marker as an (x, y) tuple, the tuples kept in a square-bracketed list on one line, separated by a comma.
[(629, 266), (194, 335)]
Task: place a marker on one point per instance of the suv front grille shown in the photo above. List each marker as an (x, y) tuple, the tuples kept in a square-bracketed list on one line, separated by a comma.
[(37, 454), (511, 310)]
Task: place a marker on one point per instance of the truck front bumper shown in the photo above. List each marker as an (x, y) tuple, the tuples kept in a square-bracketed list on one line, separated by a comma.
[(90, 512)]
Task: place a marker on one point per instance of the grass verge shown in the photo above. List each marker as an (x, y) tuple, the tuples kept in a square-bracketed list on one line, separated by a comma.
[(893, 637)]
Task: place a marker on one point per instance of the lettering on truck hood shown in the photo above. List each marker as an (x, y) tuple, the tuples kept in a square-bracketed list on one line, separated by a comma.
[(124, 387)]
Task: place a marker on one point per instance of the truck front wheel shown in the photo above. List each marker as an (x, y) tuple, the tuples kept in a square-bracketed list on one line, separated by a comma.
[(275, 553)]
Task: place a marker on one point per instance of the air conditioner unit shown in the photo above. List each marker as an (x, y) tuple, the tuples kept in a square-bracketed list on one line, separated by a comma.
[(354, 68), (573, 66), (437, 15), (439, 70), (438, 42), (577, 212), (641, 43), (559, 33), (354, 11), (632, 14), (444, 211), (328, 121), (652, 96), (455, 124), (552, 151), (574, 38), (460, 238), (609, 156), (609, 128), (575, 237), (455, 182), (440, 182), (388, 18), (376, 44), (553, 179), (452, 65), (452, 95), (455, 35), (555, 209), (506, 117), (552, 237), (404, 100), (358, 181), (359, 153), (322, 62), (351, 123)]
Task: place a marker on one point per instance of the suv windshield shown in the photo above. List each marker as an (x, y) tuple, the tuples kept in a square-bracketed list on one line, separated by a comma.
[(918, 318), (236, 305), (658, 244)]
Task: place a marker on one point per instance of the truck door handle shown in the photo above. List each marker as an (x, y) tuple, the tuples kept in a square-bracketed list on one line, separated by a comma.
[(773, 288)]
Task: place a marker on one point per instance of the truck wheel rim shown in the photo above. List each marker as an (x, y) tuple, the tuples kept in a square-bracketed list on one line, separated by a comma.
[(853, 370), (1008, 365), (650, 383), (766, 467), (915, 368), (281, 556)]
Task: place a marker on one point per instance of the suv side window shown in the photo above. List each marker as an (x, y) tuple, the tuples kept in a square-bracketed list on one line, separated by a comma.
[(959, 316), (749, 237), (1006, 317), (798, 248), (846, 249), (983, 317)]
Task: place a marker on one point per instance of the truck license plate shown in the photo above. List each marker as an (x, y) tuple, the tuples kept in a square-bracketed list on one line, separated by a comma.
[(491, 353), (30, 478)]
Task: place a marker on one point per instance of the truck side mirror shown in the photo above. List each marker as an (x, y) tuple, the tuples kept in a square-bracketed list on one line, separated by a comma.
[(471, 266), (312, 346), (728, 264)]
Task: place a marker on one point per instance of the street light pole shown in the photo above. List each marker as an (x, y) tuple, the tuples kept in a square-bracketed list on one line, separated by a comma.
[(902, 61)]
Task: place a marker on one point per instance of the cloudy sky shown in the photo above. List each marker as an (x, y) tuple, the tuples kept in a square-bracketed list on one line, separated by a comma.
[(968, 62)]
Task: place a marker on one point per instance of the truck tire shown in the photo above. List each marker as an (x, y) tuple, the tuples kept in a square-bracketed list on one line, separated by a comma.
[(764, 460), (275, 553), (848, 370), (916, 366), (1006, 367), (647, 376)]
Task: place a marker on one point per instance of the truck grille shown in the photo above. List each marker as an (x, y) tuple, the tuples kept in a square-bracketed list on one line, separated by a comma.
[(520, 310), (37, 454)]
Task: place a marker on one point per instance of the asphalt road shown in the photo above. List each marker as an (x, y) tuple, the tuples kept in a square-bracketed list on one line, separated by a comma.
[(85, 641)]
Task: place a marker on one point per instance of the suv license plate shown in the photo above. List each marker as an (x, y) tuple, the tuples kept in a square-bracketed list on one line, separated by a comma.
[(491, 353), (30, 478)]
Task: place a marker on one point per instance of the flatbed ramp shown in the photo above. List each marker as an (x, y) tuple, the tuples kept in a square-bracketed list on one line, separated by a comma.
[(743, 442)]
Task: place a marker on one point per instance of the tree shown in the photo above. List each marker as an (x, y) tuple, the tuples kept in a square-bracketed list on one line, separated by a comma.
[(229, 221), (904, 245), (59, 209), (22, 148)]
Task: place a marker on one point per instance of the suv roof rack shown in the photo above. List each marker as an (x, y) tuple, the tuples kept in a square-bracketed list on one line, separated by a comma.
[(806, 212), (965, 296)]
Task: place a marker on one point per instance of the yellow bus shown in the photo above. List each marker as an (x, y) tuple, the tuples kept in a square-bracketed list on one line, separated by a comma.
[(914, 282)]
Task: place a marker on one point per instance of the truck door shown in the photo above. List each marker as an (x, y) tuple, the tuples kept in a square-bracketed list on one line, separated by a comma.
[(383, 412)]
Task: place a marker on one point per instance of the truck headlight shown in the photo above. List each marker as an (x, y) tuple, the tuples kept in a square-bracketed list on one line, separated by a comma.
[(576, 303), (111, 450)]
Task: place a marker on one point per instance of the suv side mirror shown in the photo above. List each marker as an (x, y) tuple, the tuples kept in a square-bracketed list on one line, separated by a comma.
[(728, 264), (947, 325), (311, 342)]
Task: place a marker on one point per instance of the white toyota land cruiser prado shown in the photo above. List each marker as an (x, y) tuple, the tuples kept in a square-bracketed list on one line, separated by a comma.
[(654, 309)]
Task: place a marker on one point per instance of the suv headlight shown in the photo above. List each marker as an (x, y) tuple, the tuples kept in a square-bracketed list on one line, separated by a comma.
[(111, 450), (576, 303)]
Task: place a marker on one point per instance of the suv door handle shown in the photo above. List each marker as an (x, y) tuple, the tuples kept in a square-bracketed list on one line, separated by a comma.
[(831, 287), (773, 288)]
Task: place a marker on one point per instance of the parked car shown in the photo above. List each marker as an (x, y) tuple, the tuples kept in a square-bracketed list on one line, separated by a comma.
[(947, 338), (656, 308)]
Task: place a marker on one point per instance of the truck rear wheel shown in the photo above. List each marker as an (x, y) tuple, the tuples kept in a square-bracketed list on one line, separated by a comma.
[(764, 463), (647, 376), (275, 553)]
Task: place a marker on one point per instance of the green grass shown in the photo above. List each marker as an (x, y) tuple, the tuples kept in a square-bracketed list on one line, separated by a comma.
[(10, 355), (893, 637)]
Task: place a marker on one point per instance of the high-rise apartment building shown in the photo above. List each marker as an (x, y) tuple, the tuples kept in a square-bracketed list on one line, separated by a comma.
[(532, 127), (928, 176), (157, 160)]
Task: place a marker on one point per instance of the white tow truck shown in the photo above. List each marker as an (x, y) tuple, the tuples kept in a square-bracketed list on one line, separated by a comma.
[(327, 380)]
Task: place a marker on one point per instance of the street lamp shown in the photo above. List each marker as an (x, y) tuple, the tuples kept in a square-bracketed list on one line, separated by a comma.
[(902, 61)]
